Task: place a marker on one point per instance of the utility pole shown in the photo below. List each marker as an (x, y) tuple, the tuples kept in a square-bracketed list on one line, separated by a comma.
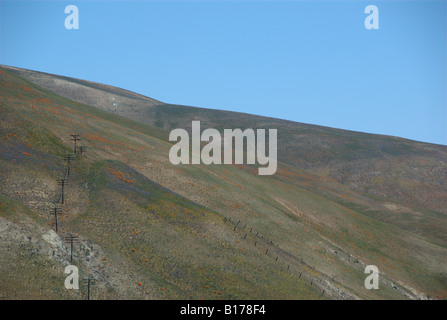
[(68, 158), (75, 137), (62, 183), (89, 281), (55, 211), (70, 239)]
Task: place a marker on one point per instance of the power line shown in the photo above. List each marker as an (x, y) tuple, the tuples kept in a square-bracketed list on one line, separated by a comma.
[(75, 138), (62, 183), (55, 211), (71, 239), (68, 158), (90, 281)]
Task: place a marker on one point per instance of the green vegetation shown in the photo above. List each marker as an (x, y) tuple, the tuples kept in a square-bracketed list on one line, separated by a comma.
[(150, 230)]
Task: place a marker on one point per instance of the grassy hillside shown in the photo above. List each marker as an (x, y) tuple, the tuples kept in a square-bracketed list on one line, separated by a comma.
[(150, 230), (382, 167)]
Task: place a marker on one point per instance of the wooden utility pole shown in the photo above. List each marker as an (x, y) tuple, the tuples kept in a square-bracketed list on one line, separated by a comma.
[(62, 183), (55, 211), (75, 138), (68, 158), (71, 239), (89, 281)]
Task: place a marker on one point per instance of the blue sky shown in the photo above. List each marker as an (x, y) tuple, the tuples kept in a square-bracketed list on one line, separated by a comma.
[(306, 61)]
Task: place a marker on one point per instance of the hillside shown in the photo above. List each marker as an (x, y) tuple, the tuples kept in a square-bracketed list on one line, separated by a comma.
[(339, 201)]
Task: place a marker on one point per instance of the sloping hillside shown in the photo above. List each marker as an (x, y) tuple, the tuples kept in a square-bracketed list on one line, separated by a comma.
[(340, 200), (382, 167)]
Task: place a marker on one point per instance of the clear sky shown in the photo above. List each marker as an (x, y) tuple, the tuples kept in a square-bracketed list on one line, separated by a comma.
[(307, 61)]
